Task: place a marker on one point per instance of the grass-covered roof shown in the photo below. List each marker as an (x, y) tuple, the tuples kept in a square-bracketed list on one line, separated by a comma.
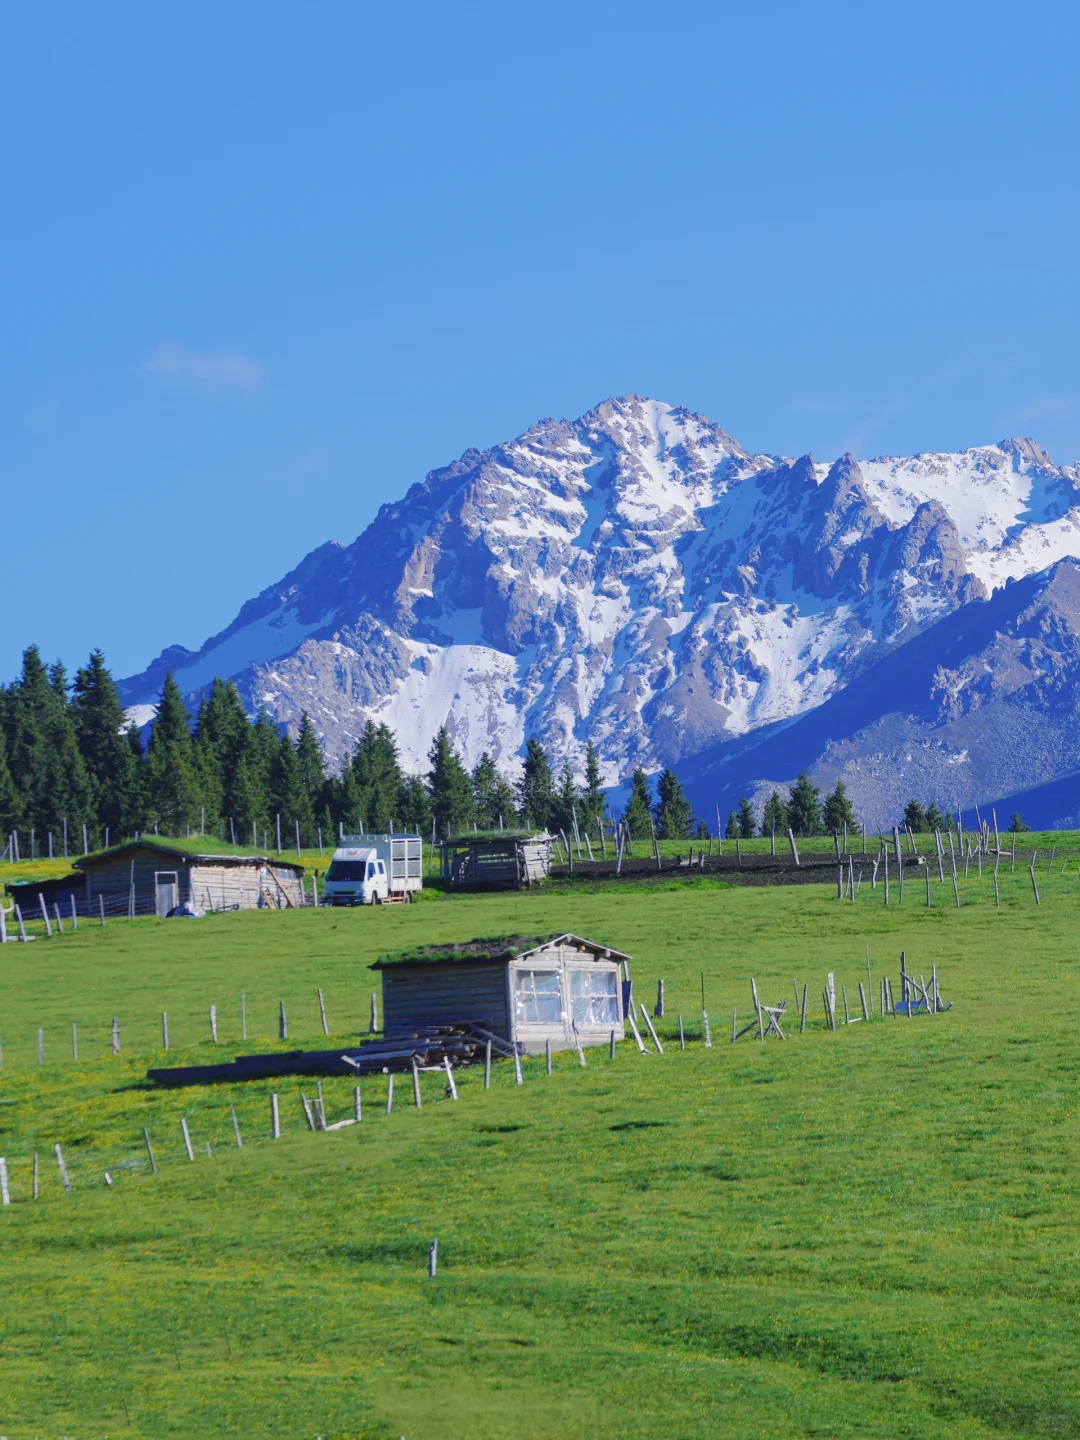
[(488, 949)]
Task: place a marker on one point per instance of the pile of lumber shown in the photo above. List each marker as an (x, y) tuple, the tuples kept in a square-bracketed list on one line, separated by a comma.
[(462, 1043)]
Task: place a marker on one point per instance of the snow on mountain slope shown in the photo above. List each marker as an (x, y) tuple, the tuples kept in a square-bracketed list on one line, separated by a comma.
[(633, 577)]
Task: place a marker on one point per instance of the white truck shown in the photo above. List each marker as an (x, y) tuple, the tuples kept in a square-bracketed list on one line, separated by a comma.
[(375, 870)]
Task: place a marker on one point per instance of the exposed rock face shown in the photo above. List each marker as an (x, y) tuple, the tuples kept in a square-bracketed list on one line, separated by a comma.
[(633, 577)]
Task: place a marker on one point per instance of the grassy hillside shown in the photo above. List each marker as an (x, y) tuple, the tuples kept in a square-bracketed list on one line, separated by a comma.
[(867, 1232)]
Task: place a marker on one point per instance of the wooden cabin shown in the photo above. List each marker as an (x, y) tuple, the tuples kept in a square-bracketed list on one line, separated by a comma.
[(143, 877), (505, 859), (525, 990)]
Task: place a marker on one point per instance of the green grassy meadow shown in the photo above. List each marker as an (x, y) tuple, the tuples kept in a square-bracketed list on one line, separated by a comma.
[(872, 1232)]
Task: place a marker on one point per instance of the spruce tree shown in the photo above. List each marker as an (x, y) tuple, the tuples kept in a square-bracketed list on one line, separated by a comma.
[(804, 807), (290, 797), (731, 830), (1018, 827), (171, 775), (415, 806), (592, 796), (222, 736), (311, 764), (378, 778), (774, 815), (637, 817), (673, 811), (746, 819), (10, 802), (492, 795), (450, 787), (838, 810), (536, 789), (565, 803), (100, 727), (935, 820), (914, 817)]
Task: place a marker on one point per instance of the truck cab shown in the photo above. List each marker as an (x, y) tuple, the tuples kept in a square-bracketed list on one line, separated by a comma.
[(357, 876)]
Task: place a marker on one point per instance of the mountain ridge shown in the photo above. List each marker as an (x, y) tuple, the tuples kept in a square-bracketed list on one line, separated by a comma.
[(633, 577)]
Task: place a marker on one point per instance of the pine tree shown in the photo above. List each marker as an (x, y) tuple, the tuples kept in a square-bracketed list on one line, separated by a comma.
[(378, 777), (172, 781), (100, 726), (536, 789), (838, 810), (492, 795), (673, 812), (222, 736), (935, 820), (914, 817), (415, 806), (450, 787), (592, 796), (746, 820), (311, 764), (10, 802), (1018, 827), (30, 705), (637, 817), (731, 830), (565, 803), (136, 794), (290, 797), (804, 807), (774, 815)]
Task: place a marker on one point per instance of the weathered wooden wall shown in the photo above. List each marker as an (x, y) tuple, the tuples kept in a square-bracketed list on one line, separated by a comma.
[(418, 995)]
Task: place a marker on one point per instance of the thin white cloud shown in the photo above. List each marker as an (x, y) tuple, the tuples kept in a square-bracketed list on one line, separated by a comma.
[(227, 370)]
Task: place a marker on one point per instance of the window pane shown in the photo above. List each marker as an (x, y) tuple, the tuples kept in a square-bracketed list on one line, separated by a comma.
[(593, 996), (539, 997)]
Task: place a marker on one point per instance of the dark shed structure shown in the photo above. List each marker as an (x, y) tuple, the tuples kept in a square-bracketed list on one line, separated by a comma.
[(527, 990), (504, 859)]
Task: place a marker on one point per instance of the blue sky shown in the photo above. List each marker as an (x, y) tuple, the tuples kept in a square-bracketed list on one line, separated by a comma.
[(263, 266)]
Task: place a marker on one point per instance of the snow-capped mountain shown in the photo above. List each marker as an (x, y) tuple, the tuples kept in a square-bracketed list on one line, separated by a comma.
[(633, 577)]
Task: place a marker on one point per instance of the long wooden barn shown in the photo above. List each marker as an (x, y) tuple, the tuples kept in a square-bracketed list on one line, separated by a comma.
[(145, 878), (526, 990)]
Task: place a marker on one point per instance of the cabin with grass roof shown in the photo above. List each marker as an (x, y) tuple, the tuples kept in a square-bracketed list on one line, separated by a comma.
[(496, 859), (525, 990)]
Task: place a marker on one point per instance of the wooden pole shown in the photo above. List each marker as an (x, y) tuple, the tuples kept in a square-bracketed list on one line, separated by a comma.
[(802, 1018), (487, 1066), (283, 1024), (433, 1259), (682, 1035), (611, 1045), (389, 1092), (275, 1118), (236, 1127), (116, 1035), (62, 1167), (74, 1041), (450, 1078), (37, 1174), (416, 1083), (358, 1107), (517, 1066), (322, 1013), (149, 1154), (5, 1193), (187, 1137), (374, 1013), (213, 1023), (547, 1054), (41, 1047)]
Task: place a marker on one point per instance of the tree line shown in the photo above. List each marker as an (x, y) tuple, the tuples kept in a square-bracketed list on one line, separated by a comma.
[(68, 758), (68, 755)]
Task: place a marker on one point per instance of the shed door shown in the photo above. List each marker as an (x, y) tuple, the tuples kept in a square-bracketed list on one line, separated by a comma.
[(166, 891)]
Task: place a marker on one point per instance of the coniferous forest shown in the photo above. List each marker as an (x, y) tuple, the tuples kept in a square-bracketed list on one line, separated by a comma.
[(74, 773)]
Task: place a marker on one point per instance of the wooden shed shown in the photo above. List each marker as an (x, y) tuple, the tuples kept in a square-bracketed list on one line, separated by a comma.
[(498, 858), (526, 990), (143, 877)]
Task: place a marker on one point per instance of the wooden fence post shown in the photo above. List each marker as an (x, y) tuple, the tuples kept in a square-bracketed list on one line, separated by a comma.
[(283, 1024), (275, 1118), (213, 1023), (74, 1041), (236, 1127), (5, 1194), (450, 1078), (62, 1167), (322, 1013), (116, 1035), (389, 1092), (433, 1259), (164, 1030), (187, 1137), (487, 1065), (149, 1151)]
